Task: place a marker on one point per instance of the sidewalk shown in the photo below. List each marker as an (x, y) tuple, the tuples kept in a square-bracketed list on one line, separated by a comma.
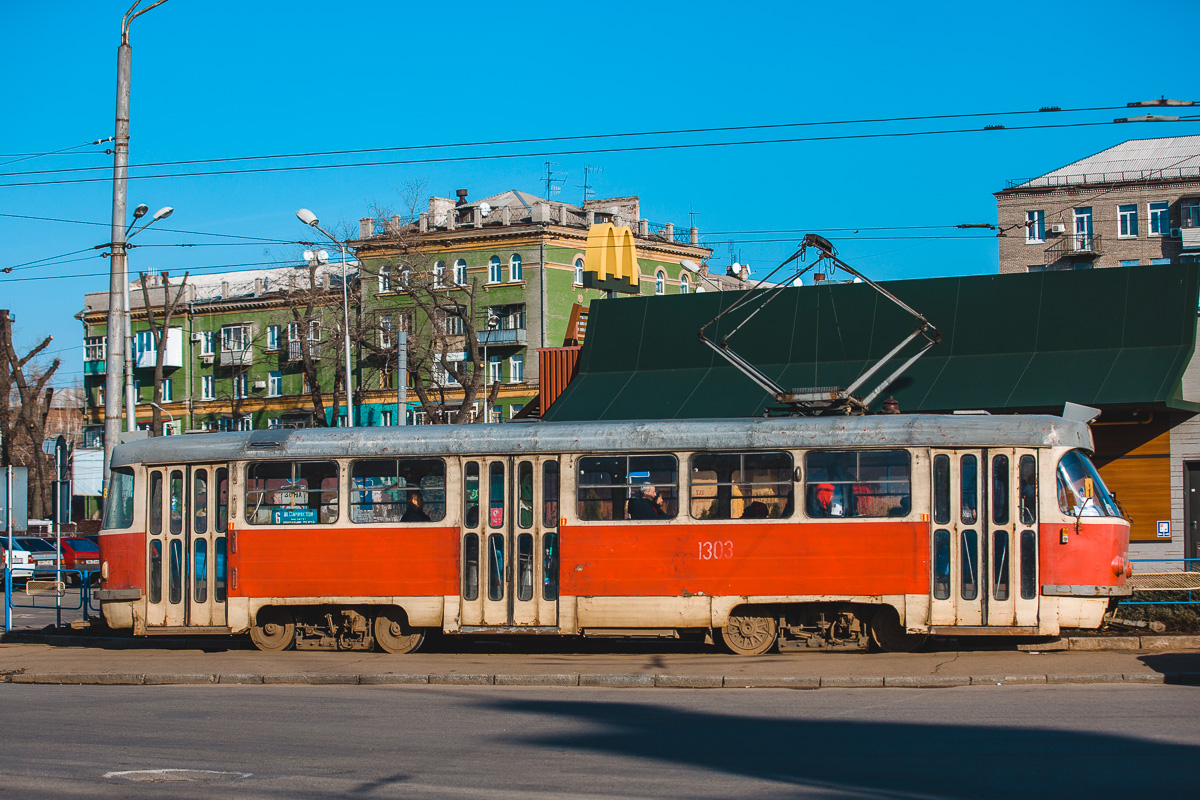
[(55, 659)]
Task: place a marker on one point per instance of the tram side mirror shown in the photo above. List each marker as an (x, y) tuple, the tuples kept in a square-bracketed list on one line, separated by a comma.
[(796, 475), (1089, 488)]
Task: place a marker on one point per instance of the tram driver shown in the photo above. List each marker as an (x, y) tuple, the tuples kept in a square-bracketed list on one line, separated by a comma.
[(415, 512)]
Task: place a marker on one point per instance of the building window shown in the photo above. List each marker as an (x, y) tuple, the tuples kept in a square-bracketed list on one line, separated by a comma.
[(94, 348), (516, 368), (515, 270), (167, 394), (494, 371), (206, 343), (460, 272), (314, 331), (385, 332), (1158, 262), (273, 424), (1189, 213), (275, 384), (452, 324), (1127, 221), (497, 414), (272, 337), (579, 272), (208, 387), (1036, 268), (515, 409), (439, 274), (1132, 262), (1035, 227), (1160, 220), (495, 270), (385, 279), (385, 418), (241, 385), (1190, 258), (1083, 229), (235, 338), (684, 285), (137, 391), (245, 423), (293, 331), (660, 282), (143, 342)]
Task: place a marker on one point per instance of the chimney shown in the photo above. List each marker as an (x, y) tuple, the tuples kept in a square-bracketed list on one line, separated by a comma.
[(462, 197)]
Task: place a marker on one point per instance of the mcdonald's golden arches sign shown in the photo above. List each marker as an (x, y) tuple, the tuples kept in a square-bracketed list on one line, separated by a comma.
[(610, 262)]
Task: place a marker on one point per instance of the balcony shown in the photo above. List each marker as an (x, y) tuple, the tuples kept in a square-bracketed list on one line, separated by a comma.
[(237, 358), (510, 336), (1075, 245), (294, 352), (145, 354)]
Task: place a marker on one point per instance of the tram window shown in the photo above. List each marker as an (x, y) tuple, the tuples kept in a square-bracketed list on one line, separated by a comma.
[(118, 510), (1000, 561), (941, 564), (969, 558), (175, 571), (496, 566), (1074, 471), (200, 570), (999, 498), (550, 495), (741, 485), (495, 495), (156, 499), (398, 490), (177, 509), (609, 485), (968, 471), (200, 501), (291, 492), (222, 480), (471, 495), (525, 566), (941, 491), (471, 566), (1028, 565), (525, 495), (219, 565), (858, 483), (154, 590), (550, 566), (1027, 476)]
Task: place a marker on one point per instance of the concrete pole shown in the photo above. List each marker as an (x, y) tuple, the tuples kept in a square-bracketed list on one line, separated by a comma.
[(346, 327), (114, 366)]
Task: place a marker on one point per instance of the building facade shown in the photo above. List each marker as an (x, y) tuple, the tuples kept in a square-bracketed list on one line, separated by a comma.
[(1135, 204)]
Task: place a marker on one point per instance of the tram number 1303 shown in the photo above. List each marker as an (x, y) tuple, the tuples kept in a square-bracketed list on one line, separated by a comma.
[(709, 551)]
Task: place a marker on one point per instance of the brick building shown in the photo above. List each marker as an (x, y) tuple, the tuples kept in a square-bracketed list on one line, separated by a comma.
[(1135, 204)]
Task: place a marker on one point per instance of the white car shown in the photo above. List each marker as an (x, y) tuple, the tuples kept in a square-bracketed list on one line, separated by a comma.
[(22, 561)]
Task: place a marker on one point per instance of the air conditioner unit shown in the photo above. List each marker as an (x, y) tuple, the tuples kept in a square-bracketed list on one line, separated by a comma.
[(197, 337), (206, 359), (1059, 228), (260, 384), (1175, 234)]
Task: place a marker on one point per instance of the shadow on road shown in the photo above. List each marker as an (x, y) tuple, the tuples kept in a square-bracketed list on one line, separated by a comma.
[(951, 760)]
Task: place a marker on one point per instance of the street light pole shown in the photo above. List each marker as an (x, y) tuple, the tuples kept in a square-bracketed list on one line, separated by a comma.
[(309, 218), (118, 310)]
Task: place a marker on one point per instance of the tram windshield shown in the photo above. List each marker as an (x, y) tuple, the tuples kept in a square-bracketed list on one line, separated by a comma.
[(118, 508), (1075, 470)]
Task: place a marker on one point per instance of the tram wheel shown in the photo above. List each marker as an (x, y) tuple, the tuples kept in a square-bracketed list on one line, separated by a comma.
[(274, 629), (750, 633), (888, 635), (393, 635)]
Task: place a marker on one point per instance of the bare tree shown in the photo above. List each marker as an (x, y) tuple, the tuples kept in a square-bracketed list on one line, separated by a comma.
[(35, 394), (161, 334), (307, 299)]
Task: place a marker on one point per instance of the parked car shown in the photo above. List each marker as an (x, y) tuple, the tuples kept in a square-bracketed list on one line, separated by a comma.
[(22, 562), (42, 553), (83, 554)]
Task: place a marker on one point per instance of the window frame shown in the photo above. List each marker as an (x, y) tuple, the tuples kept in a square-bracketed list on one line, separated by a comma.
[(1035, 226), (250, 507), (580, 487), (495, 270), (1127, 221), (460, 272), (842, 485), (443, 506), (1159, 212), (785, 485), (516, 268)]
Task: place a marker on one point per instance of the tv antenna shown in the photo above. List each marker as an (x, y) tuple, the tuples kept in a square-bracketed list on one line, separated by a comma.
[(819, 400), (553, 182), (587, 187)]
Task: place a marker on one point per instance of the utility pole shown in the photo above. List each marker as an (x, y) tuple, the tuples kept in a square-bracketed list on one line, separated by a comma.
[(5, 387), (118, 279)]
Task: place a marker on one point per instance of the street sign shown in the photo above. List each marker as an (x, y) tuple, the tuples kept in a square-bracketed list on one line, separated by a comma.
[(1164, 529), (20, 498)]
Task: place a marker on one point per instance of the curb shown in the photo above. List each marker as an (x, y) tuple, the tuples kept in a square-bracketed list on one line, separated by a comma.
[(606, 680)]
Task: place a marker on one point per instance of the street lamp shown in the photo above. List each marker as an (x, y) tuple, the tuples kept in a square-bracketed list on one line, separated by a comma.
[(694, 268), (309, 218), (130, 394), (493, 322), (163, 410), (118, 283)]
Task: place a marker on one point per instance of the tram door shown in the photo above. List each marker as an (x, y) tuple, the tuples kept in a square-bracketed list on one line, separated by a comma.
[(509, 547), (186, 546), (984, 538)]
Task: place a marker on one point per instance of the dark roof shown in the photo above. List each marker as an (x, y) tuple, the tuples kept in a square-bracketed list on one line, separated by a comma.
[(1114, 338)]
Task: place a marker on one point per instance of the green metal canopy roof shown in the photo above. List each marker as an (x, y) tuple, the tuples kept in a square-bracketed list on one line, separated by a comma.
[(1018, 342)]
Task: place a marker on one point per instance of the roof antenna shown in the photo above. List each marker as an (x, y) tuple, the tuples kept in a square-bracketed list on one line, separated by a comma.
[(818, 400)]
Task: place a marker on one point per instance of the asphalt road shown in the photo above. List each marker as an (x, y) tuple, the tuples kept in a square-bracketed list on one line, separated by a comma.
[(478, 744)]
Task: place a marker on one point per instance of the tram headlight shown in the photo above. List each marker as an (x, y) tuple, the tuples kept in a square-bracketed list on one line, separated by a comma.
[(104, 571)]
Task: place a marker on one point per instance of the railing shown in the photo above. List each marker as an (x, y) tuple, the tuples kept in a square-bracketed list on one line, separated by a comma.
[(516, 336), (294, 352), (1184, 580), (49, 594), (237, 358), (1082, 245)]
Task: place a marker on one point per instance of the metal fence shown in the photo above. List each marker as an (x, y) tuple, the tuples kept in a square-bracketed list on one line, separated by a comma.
[(1186, 579), (68, 593)]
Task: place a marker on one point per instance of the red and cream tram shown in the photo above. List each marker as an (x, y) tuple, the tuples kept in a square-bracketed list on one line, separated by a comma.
[(801, 532)]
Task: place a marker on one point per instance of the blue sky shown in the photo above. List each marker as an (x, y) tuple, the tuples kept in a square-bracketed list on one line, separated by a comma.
[(222, 79)]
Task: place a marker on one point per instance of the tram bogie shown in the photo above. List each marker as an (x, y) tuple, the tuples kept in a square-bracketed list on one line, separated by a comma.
[(787, 534)]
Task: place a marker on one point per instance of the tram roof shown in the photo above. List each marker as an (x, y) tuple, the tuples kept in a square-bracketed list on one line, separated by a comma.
[(902, 430), (1026, 342)]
